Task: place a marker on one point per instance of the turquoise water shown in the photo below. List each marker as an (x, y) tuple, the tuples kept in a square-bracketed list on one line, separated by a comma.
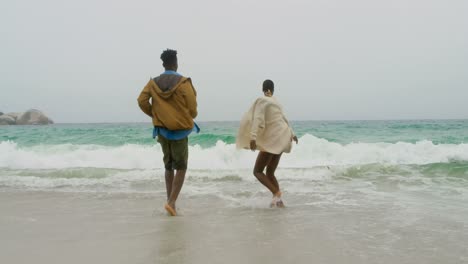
[(419, 154), (343, 132)]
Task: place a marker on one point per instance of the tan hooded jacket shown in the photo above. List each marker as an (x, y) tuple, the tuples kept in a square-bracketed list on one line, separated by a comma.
[(173, 101)]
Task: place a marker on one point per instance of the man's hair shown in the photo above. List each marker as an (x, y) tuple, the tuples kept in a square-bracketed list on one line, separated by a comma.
[(268, 85), (169, 57)]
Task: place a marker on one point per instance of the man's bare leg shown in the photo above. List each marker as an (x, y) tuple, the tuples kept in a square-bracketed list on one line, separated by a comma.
[(169, 179), (176, 187)]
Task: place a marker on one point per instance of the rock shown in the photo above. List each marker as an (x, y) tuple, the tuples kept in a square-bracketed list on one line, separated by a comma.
[(1, 113), (30, 117), (33, 117), (13, 115), (6, 120)]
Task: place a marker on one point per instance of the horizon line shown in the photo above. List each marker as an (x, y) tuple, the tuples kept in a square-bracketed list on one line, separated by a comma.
[(293, 120)]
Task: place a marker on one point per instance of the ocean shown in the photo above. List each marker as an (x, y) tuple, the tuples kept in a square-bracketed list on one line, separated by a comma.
[(355, 191)]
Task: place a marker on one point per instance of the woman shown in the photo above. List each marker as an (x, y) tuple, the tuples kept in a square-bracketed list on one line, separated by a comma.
[(264, 127)]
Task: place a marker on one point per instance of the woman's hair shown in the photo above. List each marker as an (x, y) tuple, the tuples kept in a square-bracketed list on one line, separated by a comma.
[(268, 85), (169, 57)]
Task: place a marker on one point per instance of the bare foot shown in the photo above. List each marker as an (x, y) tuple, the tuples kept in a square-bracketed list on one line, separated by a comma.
[(273, 202), (279, 203), (171, 210), (276, 201)]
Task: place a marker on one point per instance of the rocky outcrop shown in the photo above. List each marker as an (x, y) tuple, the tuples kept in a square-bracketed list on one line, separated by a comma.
[(7, 120), (30, 117), (13, 115)]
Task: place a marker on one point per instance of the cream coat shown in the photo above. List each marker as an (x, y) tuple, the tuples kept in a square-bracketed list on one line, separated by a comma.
[(265, 123)]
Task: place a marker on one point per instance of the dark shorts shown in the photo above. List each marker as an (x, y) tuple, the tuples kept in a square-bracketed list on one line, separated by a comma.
[(175, 153)]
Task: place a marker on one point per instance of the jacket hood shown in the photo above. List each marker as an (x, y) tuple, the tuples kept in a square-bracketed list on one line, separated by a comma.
[(166, 84)]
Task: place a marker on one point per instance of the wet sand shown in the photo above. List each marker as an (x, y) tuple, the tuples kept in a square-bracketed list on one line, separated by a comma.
[(57, 227)]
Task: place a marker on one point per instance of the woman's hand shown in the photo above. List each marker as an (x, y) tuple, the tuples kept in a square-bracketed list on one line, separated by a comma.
[(253, 145), (295, 139)]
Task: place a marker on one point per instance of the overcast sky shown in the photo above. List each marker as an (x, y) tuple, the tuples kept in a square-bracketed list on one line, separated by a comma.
[(87, 60)]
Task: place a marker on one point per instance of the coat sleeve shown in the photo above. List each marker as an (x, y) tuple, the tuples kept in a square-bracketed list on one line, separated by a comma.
[(190, 95), (258, 118), (289, 125), (144, 100)]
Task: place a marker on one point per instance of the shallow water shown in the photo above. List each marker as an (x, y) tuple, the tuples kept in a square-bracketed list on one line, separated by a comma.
[(356, 192)]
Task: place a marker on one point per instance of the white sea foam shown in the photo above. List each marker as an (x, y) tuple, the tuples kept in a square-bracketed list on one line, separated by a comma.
[(115, 180), (310, 152)]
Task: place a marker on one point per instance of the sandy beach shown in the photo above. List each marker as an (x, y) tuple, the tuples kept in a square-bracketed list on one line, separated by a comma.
[(372, 96), (55, 227)]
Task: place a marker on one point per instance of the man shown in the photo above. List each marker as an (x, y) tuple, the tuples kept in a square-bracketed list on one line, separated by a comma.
[(173, 107)]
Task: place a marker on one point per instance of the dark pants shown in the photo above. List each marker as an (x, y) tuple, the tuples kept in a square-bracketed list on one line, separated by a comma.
[(175, 153)]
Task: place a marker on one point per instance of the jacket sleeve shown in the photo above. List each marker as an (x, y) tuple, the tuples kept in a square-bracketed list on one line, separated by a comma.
[(258, 118), (190, 95), (144, 100), (289, 125)]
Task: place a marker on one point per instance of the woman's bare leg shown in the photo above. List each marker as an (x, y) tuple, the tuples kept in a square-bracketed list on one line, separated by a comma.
[(271, 168), (270, 173), (263, 159)]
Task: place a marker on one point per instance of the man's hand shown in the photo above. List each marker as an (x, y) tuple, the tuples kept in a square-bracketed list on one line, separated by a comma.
[(253, 145)]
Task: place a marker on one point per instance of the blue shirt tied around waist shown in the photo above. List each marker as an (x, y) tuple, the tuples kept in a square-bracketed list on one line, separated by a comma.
[(174, 134)]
